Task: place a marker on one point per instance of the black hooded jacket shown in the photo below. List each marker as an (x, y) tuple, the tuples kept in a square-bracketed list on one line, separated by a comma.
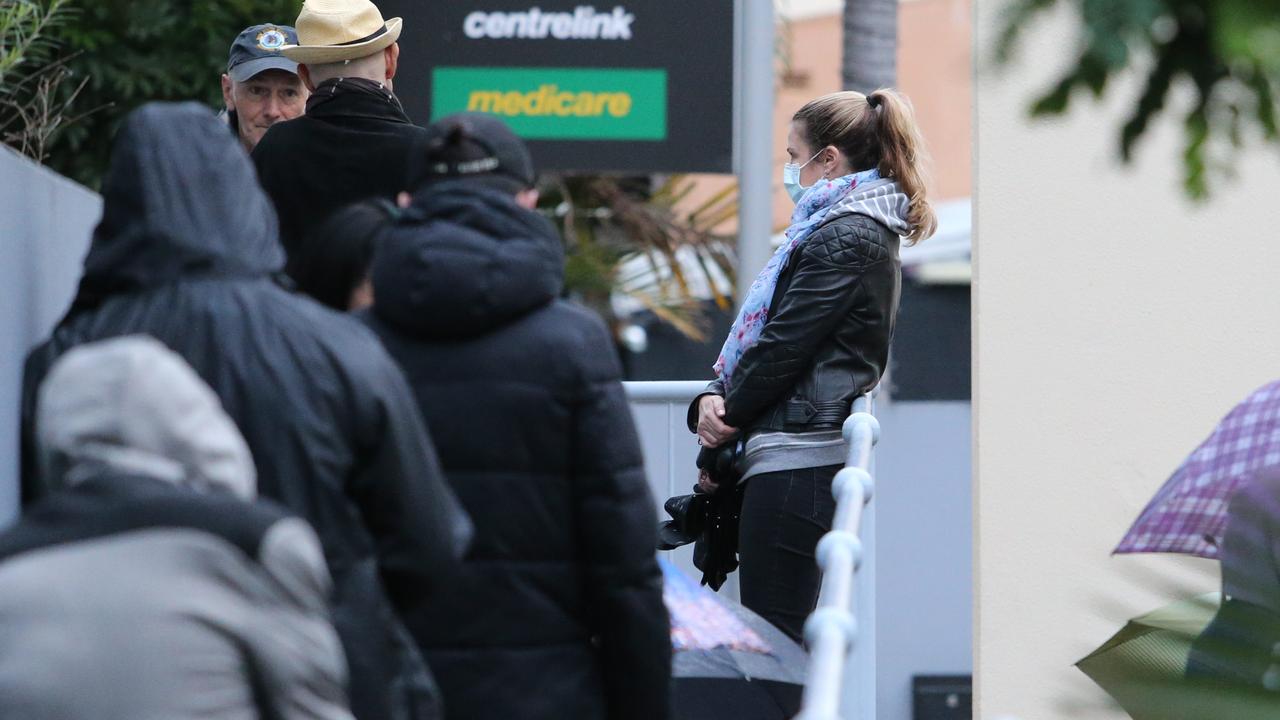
[(186, 251), (558, 611)]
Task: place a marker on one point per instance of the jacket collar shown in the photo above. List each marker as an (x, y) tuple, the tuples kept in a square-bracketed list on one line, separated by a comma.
[(355, 97)]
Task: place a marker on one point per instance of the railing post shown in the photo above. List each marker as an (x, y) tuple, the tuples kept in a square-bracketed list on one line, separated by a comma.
[(862, 663), (841, 632)]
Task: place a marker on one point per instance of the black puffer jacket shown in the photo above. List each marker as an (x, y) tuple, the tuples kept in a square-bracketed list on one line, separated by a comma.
[(827, 338), (558, 612), (185, 252)]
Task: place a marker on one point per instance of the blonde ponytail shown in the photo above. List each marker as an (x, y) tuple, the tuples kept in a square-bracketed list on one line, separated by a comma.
[(902, 157), (877, 130)]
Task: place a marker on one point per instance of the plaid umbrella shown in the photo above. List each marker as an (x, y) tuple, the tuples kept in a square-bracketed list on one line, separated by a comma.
[(1143, 667), (1189, 512)]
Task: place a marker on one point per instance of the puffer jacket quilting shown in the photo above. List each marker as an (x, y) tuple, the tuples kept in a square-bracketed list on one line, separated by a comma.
[(558, 610)]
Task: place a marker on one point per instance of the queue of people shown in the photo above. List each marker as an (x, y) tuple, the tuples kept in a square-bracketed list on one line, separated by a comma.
[(361, 322), (248, 388), (187, 252)]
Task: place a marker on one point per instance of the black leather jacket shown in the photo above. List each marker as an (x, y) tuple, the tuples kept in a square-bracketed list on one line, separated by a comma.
[(827, 338)]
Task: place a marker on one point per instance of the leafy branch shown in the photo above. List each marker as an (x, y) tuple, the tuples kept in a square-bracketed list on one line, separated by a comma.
[(33, 105), (24, 33), (35, 111), (1228, 51)]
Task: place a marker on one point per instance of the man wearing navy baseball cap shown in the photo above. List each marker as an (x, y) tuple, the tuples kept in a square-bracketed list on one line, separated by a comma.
[(261, 86)]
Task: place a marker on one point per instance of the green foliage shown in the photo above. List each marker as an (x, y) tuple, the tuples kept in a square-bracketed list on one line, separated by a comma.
[(135, 51), (1227, 50), (23, 33), (31, 112)]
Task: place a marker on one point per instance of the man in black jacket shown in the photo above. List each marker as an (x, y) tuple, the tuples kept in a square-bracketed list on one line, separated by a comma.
[(353, 142), (186, 252), (558, 610)]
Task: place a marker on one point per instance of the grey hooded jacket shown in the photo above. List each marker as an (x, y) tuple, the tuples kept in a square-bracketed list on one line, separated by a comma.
[(147, 585)]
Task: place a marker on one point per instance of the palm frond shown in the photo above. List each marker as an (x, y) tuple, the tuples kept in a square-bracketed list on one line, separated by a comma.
[(643, 242)]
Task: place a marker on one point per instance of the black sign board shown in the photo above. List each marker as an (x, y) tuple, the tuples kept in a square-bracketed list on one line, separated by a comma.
[(629, 86)]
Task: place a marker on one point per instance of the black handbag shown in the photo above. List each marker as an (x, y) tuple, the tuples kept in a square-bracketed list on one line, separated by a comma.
[(710, 520)]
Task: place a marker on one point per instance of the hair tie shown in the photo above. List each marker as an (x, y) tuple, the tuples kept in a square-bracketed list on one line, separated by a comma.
[(875, 100)]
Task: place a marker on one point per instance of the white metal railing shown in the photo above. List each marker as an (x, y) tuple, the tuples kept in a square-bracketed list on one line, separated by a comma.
[(832, 629), (659, 409), (845, 609), (663, 391)]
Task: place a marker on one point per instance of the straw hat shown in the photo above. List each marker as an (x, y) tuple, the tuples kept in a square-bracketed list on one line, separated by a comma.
[(337, 30)]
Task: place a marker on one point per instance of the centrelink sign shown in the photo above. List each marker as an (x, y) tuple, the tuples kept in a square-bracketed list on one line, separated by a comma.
[(641, 86), (584, 23)]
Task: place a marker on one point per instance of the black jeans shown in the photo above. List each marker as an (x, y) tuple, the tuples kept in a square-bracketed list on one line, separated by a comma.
[(783, 516)]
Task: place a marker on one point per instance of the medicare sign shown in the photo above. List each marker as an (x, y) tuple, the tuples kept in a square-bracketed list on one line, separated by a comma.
[(551, 103), (645, 86)]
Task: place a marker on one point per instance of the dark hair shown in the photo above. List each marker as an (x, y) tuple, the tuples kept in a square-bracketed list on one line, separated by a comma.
[(339, 252), (874, 131)]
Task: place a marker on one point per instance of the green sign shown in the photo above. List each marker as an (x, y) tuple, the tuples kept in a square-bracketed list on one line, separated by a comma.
[(558, 103)]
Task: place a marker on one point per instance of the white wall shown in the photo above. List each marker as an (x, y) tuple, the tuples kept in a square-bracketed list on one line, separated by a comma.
[(1114, 325), (45, 222)]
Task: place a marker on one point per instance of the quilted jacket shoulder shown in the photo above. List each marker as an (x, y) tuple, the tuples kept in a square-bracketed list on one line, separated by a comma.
[(827, 337), (850, 241)]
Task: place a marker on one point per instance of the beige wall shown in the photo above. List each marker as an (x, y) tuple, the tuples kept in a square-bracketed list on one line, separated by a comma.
[(813, 46), (933, 70), (1114, 325)]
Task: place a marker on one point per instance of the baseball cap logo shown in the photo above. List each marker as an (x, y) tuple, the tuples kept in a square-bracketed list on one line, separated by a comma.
[(271, 39)]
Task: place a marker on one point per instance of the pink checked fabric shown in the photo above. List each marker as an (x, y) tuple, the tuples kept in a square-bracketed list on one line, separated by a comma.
[(699, 621), (1189, 513)]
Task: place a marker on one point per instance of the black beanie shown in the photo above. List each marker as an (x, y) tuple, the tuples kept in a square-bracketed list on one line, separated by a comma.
[(473, 145)]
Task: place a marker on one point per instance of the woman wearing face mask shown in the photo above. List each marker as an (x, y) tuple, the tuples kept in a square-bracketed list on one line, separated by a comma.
[(813, 334)]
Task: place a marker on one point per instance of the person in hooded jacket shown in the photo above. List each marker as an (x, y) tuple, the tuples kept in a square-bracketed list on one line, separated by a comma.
[(148, 584), (186, 251), (558, 611), (812, 335)]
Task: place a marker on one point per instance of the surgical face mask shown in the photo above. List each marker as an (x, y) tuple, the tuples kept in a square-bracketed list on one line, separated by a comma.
[(791, 178)]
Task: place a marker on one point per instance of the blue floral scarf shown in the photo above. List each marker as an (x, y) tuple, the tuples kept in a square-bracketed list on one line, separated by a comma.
[(810, 211)]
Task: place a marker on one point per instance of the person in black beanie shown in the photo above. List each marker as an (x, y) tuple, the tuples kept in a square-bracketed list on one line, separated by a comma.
[(557, 612)]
